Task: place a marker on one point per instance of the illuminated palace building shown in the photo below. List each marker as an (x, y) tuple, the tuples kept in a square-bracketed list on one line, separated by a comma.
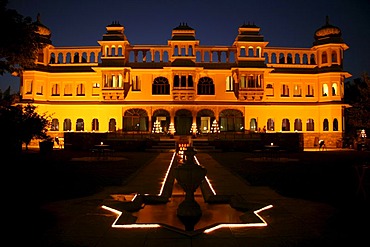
[(183, 86)]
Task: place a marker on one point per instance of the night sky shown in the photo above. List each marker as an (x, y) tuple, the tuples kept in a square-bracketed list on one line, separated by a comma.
[(289, 23)]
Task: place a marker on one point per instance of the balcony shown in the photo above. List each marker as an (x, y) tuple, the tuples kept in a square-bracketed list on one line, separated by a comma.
[(251, 94), (183, 94)]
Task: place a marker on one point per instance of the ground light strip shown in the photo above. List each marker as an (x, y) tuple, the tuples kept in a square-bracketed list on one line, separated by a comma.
[(153, 225), (256, 212), (209, 183), (119, 213), (168, 171)]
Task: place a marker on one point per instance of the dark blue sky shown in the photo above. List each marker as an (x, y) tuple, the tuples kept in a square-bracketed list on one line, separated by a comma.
[(289, 23)]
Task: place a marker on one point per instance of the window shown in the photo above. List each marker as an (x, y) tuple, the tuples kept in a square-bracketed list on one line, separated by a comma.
[(95, 124), (229, 83), (285, 126), (80, 90), (67, 125), (28, 86), (55, 90), (270, 124), (206, 86), (254, 81), (324, 57), (334, 89), (183, 81), (284, 90), (297, 124), (335, 124), (243, 81), (326, 125), (112, 124), (269, 90), (297, 92), (334, 58), (310, 91), (40, 88), (160, 86), (325, 90), (310, 126), (80, 124), (54, 125), (136, 83), (68, 89), (253, 124)]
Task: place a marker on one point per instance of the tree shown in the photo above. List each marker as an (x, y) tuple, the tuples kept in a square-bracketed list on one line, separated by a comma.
[(357, 95), (20, 41), (20, 124)]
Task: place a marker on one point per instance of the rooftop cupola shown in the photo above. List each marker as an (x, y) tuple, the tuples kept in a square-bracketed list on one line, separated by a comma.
[(43, 31), (328, 34), (115, 31), (183, 32), (250, 33)]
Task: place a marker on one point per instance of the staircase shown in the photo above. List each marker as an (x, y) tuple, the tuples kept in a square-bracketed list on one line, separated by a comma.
[(163, 146), (203, 146)]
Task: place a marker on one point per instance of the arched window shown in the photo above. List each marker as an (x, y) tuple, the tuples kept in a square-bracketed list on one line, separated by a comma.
[(325, 90), (325, 125), (112, 125), (206, 86), (310, 125), (80, 124), (161, 86), (54, 124), (285, 125), (334, 89), (253, 124), (95, 124), (297, 124), (67, 124), (335, 125), (270, 124), (334, 57), (324, 57)]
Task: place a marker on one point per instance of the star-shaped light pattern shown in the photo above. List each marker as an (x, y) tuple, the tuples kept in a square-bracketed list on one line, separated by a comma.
[(119, 223)]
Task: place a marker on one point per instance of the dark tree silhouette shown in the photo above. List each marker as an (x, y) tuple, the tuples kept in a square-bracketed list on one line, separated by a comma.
[(19, 42), (20, 124), (357, 95)]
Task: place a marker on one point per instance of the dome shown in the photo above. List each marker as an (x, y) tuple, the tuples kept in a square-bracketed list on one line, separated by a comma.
[(328, 33), (43, 30)]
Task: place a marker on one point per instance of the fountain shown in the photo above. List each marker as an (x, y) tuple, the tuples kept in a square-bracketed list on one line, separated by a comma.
[(179, 206), (189, 176)]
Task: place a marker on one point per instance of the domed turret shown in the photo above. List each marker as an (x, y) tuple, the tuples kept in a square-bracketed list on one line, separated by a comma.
[(43, 31), (328, 34), (183, 32)]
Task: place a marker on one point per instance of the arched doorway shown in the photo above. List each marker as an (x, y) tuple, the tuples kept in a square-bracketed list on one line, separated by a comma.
[(183, 122), (231, 120), (164, 119), (135, 120), (205, 119)]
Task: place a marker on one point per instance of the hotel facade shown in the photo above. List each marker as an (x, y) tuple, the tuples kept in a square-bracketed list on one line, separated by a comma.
[(183, 87)]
